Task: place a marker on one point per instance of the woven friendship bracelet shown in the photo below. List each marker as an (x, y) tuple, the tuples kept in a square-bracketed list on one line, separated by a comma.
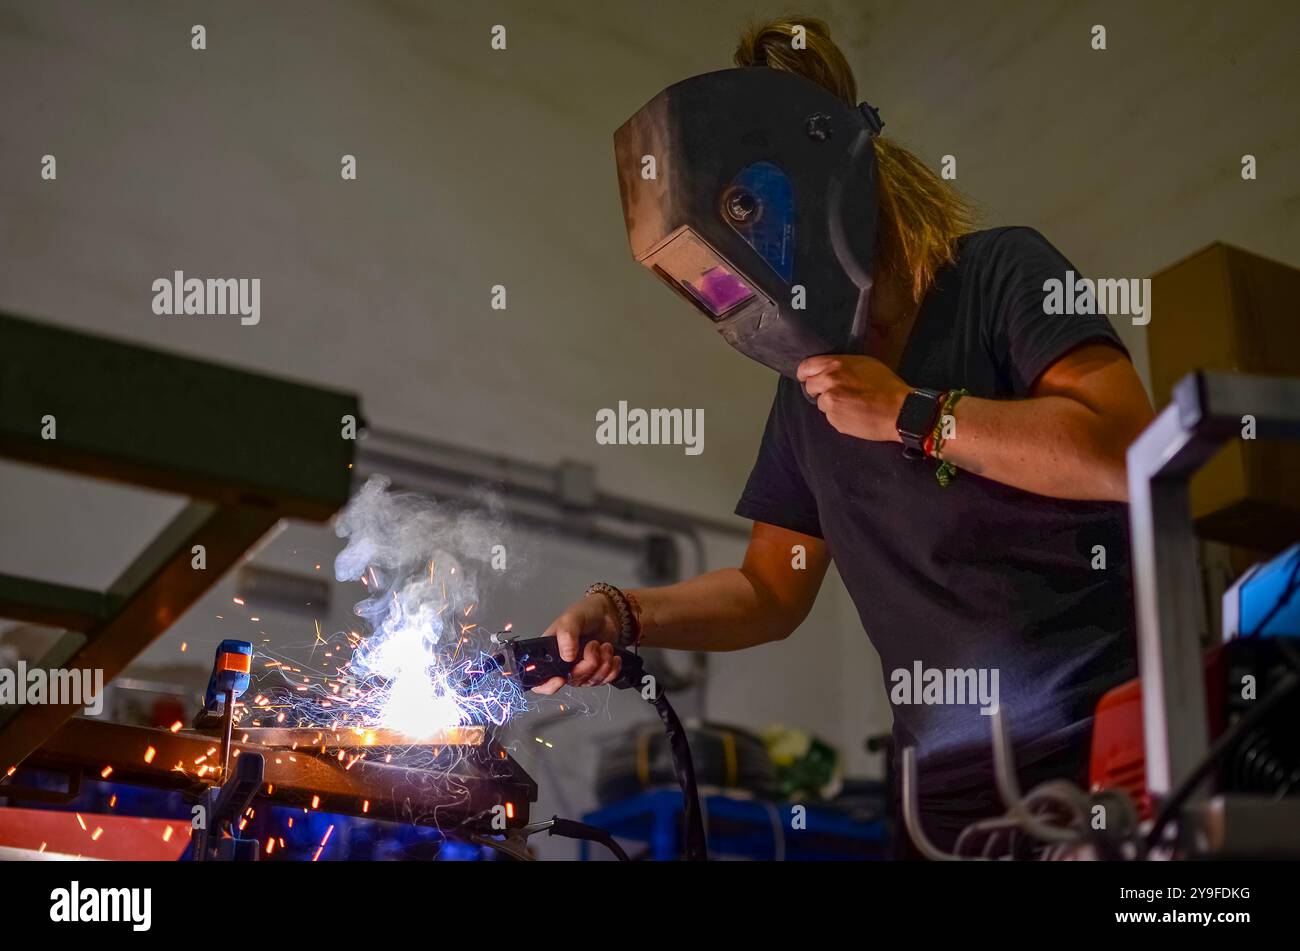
[(944, 474)]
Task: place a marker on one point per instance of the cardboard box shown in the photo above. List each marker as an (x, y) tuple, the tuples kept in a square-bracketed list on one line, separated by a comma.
[(1226, 309)]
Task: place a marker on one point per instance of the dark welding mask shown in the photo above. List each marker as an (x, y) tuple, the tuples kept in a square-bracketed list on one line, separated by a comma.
[(752, 193)]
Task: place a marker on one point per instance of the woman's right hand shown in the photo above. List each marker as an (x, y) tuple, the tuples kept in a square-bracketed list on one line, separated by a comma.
[(592, 617)]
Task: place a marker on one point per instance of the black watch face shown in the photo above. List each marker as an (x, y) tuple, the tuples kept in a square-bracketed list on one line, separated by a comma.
[(917, 413)]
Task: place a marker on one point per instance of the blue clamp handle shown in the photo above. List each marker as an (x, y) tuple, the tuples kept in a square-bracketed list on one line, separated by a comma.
[(231, 669)]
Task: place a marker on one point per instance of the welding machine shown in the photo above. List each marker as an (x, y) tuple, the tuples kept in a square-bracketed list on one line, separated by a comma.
[(1256, 661), (1224, 716), (1226, 719), (1251, 704)]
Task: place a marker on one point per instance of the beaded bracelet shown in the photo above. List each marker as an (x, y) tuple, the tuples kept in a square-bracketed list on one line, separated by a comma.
[(629, 634)]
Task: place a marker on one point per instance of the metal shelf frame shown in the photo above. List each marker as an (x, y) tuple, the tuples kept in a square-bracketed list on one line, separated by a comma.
[(1208, 409), (247, 449)]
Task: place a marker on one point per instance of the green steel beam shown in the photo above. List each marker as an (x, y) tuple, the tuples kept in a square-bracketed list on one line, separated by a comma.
[(49, 604), (175, 424)]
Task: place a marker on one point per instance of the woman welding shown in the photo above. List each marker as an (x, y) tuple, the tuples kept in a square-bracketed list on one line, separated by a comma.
[(955, 447)]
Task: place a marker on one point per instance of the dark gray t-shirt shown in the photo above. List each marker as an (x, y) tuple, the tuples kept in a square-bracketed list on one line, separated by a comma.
[(977, 574)]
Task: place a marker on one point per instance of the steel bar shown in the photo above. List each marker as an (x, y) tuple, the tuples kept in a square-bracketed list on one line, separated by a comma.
[(50, 604), (356, 738), (463, 786)]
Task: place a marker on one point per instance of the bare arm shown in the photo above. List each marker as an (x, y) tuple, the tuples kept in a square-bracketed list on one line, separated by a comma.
[(1066, 440), (763, 600)]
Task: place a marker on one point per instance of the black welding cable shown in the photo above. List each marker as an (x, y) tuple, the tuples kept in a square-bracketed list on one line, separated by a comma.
[(1174, 804), (696, 845), (572, 829)]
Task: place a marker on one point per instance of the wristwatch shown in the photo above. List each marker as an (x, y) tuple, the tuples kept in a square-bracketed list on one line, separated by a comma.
[(916, 420)]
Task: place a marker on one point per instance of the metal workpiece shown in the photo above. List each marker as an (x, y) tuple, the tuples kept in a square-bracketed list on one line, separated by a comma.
[(350, 738), (452, 786), (1207, 409)]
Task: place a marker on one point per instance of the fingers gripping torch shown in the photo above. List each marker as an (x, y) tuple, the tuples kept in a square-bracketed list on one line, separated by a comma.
[(535, 660)]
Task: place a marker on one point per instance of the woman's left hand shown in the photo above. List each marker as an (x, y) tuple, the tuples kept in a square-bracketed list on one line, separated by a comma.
[(858, 395)]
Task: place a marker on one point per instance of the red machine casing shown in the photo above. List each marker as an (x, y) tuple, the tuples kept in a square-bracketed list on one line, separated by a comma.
[(1118, 758)]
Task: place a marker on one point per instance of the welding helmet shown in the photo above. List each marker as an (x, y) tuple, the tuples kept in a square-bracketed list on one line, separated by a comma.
[(752, 193)]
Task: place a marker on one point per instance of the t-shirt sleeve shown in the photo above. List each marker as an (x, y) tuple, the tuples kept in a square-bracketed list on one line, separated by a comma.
[(777, 492), (1023, 337)]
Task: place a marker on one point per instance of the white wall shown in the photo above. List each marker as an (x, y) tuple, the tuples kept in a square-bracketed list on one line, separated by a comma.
[(479, 168)]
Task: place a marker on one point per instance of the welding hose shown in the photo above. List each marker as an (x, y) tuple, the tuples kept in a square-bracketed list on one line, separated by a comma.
[(572, 829), (631, 678), (696, 845)]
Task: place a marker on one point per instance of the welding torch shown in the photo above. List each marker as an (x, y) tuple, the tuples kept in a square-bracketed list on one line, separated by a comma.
[(532, 661)]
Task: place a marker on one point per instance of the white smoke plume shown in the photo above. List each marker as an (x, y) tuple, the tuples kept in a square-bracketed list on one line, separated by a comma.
[(422, 562)]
